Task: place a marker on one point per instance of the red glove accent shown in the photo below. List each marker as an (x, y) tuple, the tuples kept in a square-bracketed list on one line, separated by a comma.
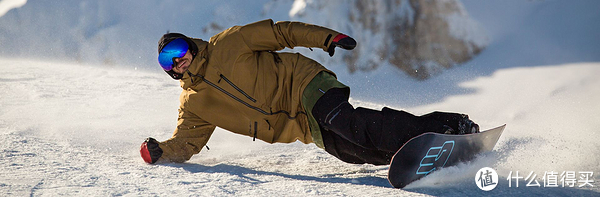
[(343, 41), (339, 37), (145, 153)]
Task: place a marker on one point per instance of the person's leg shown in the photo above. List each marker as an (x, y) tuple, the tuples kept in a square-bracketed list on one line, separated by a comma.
[(349, 152), (385, 130)]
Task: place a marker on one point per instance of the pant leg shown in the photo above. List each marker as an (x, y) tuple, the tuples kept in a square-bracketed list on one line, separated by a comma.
[(385, 130), (349, 152)]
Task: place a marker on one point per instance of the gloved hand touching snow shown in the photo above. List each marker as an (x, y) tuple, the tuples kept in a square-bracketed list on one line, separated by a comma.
[(150, 150)]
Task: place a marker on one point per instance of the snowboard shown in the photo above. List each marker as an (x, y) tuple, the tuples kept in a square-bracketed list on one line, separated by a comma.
[(428, 152)]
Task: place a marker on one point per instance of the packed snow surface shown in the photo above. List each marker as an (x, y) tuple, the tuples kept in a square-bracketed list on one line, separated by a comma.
[(70, 129)]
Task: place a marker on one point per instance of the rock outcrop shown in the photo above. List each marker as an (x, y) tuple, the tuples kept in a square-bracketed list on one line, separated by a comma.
[(420, 37)]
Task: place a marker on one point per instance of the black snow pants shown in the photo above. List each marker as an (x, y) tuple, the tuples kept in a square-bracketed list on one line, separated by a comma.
[(364, 135)]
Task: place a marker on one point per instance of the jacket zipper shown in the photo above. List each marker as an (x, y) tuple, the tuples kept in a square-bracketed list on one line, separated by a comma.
[(244, 102), (237, 88)]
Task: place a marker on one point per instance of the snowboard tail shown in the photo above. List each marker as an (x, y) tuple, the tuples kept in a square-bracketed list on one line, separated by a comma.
[(428, 152)]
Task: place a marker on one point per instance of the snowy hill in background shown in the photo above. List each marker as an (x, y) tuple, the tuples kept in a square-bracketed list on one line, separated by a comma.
[(125, 33), (419, 37), (75, 129)]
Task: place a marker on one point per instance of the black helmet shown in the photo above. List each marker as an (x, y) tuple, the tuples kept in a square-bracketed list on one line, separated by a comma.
[(166, 39)]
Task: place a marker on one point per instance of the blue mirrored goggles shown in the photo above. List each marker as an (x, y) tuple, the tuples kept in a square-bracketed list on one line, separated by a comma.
[(175, 49)]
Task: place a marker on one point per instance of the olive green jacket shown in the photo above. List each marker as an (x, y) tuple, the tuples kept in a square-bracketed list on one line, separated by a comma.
[(237, 82)]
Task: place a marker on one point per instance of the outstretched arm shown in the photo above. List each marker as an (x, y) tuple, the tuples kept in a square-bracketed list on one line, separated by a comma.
[(268, 36), (189, 138), (186, 142)]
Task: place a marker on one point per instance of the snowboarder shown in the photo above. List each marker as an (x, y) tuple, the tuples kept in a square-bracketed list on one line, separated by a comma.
[(237, 81)]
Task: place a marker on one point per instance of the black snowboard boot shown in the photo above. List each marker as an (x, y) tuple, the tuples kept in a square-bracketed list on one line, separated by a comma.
[(467, 126), (457, 124)]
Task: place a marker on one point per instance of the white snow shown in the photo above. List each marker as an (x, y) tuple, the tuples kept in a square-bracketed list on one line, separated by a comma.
[(6, 5), (74, 129), (463, 27), (297, 8)]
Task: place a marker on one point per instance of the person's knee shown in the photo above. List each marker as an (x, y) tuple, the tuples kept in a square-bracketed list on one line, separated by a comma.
[(333, 99)]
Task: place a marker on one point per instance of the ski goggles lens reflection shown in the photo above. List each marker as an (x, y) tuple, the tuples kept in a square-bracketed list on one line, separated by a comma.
[(175, 49)]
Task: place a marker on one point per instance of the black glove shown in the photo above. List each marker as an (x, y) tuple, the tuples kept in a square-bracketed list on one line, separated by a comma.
[(343, 41), (150, 150)]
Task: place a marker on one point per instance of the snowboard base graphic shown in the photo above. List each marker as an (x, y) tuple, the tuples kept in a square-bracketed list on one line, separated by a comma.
[(428, 152)]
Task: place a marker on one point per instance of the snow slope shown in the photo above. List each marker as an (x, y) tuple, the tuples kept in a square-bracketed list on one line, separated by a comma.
[(75, 129)]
